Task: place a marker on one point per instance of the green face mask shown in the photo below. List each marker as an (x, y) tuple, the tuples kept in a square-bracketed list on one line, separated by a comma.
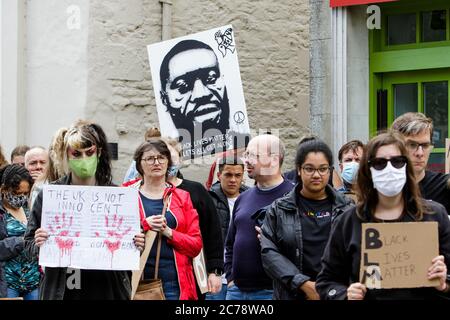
[(84, 168)]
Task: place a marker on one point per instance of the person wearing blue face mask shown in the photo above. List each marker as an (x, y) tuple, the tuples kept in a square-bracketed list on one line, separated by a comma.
[(349, 157)]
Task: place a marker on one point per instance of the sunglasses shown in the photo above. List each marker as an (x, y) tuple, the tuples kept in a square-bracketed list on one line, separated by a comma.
[(381, 163)]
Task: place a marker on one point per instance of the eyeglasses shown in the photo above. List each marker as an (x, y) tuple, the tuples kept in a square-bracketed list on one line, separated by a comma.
[(152, 159), (381, 163), (247, 155), (414, 146), (311, 170)]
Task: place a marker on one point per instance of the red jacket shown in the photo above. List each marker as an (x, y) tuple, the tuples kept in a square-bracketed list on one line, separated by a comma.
[(186, 238)]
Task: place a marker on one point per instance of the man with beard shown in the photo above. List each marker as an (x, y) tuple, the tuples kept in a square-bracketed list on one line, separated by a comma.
[(193, 90)]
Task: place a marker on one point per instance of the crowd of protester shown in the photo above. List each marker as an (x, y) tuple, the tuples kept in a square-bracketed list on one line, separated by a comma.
[(289, 236)]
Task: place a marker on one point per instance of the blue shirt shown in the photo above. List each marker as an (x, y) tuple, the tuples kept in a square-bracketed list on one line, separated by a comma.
[(167, 269), (243, 251)]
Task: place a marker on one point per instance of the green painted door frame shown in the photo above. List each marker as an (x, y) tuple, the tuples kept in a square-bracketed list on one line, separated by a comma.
[(419, 77), (429, 60)]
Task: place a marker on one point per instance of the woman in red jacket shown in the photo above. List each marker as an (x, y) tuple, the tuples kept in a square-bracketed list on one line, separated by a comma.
[(181, 239)]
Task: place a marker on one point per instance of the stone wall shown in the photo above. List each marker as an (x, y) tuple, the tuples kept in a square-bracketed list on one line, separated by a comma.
[(321, 70), (272, 39)]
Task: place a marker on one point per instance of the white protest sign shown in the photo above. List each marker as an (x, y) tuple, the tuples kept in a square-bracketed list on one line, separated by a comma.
[(198, 92), (90, 227), (200, 272)]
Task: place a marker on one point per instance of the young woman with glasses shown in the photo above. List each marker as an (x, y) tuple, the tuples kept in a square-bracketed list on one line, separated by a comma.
[(297, 226), (181, 240), (387, 192)]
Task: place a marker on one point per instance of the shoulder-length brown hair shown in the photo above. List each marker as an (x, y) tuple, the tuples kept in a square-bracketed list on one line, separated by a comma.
[(367, 195)]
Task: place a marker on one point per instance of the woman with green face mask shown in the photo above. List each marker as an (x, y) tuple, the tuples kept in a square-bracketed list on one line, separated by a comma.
[(82, 152)]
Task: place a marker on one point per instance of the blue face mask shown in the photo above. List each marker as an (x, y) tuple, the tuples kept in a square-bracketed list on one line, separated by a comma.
[(350, 171), (172, 171)]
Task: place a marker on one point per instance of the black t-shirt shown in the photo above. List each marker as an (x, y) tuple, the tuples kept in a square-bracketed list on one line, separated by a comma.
[(316, 227), (434, 187)]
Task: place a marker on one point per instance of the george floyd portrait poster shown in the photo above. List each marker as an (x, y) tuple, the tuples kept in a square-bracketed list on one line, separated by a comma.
[(198, 92)]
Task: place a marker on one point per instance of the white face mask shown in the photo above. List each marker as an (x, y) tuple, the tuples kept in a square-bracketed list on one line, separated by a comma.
[(389, 181)]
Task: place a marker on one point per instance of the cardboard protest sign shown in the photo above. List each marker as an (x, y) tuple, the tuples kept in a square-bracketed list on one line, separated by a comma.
[(90, 227), (198, 92), (398, 255)]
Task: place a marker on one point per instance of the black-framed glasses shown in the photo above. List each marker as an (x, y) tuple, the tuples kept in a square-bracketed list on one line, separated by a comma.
[(311, 170), (381, 163), (414, 146), (251, 156), (152, 159)]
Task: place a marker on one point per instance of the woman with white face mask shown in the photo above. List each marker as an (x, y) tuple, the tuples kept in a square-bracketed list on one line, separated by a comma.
[(387, 193)]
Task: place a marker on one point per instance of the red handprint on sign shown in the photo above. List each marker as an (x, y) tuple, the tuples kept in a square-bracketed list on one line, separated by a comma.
[(114, 234), (60, 228)]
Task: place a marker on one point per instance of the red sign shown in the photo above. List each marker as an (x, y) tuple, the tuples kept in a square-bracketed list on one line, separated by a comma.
[(344, 3)]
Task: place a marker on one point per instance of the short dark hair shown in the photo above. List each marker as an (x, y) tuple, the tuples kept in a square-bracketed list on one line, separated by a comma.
[(12, 175), (19, 151), (352, 145), (231, 161), (153, 143), (181, 46), (306, 139), (314, 145)]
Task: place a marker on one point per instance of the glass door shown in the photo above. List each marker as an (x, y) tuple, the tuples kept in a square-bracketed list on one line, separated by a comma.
[(424, 91)]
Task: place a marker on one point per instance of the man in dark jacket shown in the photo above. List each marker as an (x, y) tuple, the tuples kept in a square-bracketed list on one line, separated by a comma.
[(224, 194)]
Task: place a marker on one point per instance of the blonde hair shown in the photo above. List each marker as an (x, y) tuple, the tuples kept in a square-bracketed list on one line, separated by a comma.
[(413, 123)]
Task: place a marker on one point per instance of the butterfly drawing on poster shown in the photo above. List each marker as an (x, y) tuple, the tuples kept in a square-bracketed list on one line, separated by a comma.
[(225, 41)]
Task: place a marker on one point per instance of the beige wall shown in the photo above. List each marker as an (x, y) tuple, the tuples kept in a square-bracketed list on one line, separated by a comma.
[(100, 71), (273, 47)]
